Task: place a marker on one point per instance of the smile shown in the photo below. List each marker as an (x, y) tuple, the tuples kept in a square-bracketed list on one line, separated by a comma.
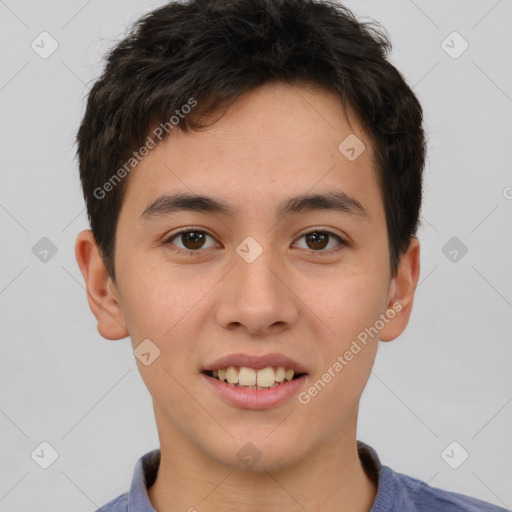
[(251, 378)]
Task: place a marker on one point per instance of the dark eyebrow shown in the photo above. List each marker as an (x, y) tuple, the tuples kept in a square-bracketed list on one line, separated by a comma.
[(167, 204), (337, 201)]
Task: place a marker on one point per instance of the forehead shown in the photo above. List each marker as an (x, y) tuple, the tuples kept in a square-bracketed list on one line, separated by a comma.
[(275, 139)]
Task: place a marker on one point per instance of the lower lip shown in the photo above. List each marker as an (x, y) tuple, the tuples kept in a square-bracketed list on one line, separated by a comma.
[(255, 398)]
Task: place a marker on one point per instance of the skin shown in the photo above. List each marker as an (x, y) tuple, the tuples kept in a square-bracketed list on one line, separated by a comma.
[(275, 142)]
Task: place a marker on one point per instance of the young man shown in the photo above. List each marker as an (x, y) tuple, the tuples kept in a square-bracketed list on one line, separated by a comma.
[(253, 172)]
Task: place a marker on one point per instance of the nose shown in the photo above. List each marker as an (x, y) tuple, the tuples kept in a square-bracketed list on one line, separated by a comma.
[(257, 298)]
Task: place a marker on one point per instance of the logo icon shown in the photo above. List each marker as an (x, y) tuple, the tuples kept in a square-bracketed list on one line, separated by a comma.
[(44, 250), (454, 45), (249, 454), (249, 249), (454, 455), (146, 352), (44, 455), (454, 250), (351, 147), (44, 45)]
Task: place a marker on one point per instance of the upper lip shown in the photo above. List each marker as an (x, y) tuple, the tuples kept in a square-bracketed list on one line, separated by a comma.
[(256, 362)]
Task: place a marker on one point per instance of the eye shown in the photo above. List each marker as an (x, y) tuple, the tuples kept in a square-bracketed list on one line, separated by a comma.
[(191, 239), (319, 240)]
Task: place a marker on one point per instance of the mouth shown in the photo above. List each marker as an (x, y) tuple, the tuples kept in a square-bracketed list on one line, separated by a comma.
[(245, 377), (250, 381), (254, 388)]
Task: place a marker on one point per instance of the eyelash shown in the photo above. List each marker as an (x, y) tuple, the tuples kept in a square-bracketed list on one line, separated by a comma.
[(190, 252)]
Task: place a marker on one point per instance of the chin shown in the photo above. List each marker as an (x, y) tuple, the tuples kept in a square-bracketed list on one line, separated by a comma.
[(261, 452)]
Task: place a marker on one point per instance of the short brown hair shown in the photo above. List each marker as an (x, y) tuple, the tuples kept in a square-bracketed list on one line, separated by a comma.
[(214, 51)]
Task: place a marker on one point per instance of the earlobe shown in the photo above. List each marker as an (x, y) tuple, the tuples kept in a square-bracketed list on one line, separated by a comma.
[(402, 292), (102, 295)]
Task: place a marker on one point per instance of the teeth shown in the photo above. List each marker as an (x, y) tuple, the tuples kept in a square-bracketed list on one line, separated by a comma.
[(265, 377), (289, 374), (254, 378), (246, 376), (232, 375)]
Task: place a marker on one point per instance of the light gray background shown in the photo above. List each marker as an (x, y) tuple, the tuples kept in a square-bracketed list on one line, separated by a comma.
[(448, 378)]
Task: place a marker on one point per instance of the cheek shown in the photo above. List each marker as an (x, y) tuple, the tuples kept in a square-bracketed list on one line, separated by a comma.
[(346, 356), (329, 404), (348, 304), (158, 298), (351, 307), (147, 309)]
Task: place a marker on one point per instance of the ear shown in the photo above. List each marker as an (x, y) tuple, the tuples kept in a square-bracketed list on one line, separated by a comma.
[(102, 295), (401, 292)]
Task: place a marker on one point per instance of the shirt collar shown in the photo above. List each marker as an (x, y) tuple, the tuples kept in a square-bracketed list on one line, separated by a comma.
[(144, 475), (146, 470)]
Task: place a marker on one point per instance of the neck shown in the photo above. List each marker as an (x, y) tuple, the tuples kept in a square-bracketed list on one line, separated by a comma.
[(331, 479)]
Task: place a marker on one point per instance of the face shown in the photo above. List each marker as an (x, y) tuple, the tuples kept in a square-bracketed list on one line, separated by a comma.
[(299, 279)]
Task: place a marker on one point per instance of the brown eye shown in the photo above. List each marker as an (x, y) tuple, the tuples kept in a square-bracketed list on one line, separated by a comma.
[(191, 240), (319, 240)]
